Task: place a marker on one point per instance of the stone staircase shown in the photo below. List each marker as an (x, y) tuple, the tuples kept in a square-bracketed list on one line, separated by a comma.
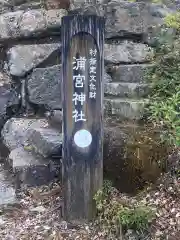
[(125, 95)]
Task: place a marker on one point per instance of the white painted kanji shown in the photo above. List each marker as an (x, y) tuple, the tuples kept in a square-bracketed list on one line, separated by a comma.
[(78, 116), (92, 87), (92, 69), (92, 94), (79, 98), (80, 63), (92, 72), (79, 80), (92, 78), (92, 52), (92, 61)]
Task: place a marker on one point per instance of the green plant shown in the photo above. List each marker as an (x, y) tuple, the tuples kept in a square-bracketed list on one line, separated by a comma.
[(115, 214), (164, 80), (137, 218), (173, 20)]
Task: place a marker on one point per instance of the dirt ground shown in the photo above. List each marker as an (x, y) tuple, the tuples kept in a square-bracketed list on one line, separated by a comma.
[(38, 215)]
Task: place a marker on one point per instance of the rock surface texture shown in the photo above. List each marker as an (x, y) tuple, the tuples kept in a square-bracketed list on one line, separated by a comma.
[(20, 24), (31, 114), (24, 58), (30, 77)]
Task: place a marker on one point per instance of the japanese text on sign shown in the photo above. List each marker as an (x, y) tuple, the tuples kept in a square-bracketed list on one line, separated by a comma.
[(92, 71), (79, 81)]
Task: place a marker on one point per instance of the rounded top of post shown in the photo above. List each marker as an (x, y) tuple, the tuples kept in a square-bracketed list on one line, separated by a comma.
[(79, 17)]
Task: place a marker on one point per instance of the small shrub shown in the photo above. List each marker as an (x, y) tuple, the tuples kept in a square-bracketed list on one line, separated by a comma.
[(164, 80), (115, 214), (136, 218)]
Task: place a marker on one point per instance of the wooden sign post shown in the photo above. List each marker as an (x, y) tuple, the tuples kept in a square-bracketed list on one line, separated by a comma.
[(82, 90)]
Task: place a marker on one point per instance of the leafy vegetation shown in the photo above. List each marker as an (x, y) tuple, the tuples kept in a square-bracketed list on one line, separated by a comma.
[(116, 215), (164, 79)]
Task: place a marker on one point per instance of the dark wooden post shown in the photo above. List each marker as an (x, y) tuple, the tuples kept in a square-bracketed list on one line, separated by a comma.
[(82, 90)]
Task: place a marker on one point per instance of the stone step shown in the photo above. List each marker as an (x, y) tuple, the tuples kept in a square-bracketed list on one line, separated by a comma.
[(132, 73), (129, 90), (130, 109), (32, 170), (7, 188), (127, 52)]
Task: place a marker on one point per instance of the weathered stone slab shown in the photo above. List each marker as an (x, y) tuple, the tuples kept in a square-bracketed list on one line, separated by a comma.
[(38, 21), (23, 58), (46, 141), (136, 17), (15, 131), (127, 52), (7, 6), (134, 73), (124, 17), (44, 86), (7, 190), (34, 135), (125, 108), (4, 6), (31, 170), (8, 25), (27, 5), (13, 3), (174, 5), (76, 4), (129, 90), (29, 23)]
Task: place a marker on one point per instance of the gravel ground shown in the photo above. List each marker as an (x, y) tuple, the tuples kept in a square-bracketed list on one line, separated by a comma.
[(165, 198), (38, 215)]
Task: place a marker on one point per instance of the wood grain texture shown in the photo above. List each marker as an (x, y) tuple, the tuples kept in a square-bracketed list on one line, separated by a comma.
[(82, 167)]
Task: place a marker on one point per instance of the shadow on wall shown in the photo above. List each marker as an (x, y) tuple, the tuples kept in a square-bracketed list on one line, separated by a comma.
[(4, 152), (134, 157)]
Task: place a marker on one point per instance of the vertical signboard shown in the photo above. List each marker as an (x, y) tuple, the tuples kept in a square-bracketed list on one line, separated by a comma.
[(82, 94)]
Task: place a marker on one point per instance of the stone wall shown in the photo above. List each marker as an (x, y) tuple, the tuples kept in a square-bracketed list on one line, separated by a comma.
[(31, 51), (30, 67)]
